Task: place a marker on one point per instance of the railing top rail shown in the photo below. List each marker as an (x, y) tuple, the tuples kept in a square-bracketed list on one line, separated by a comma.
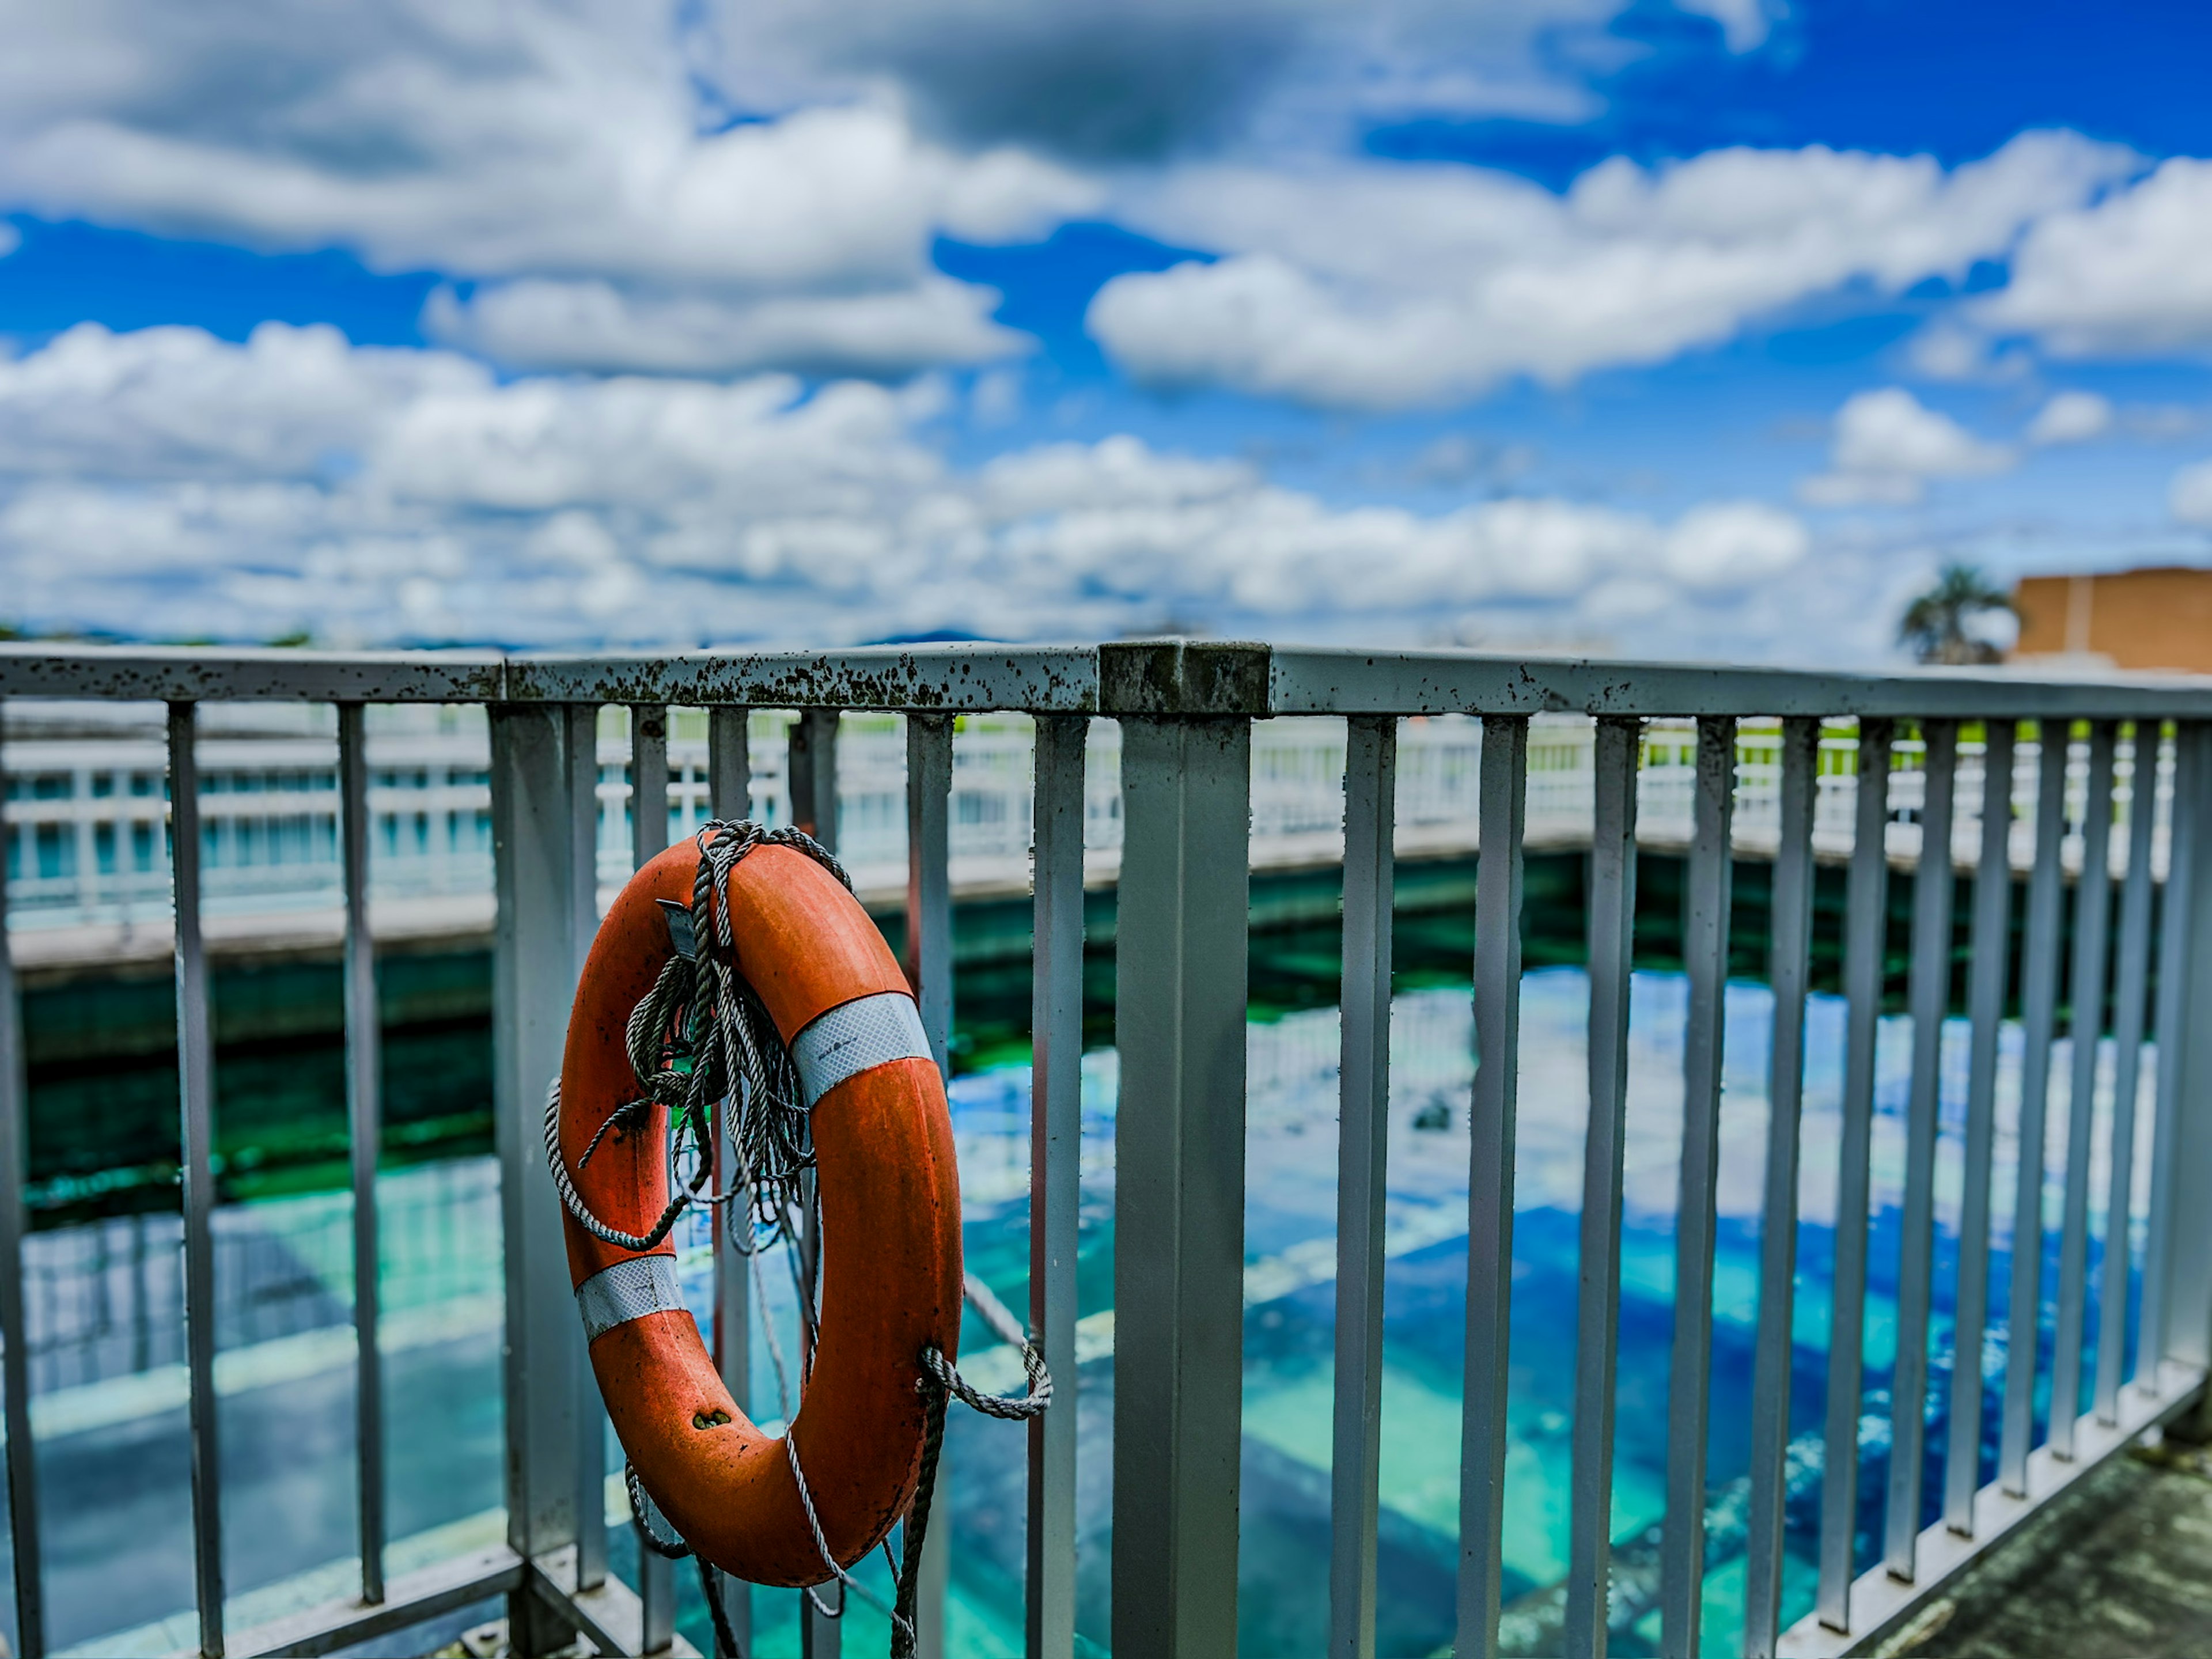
[(1302, 680), (189, 673), (1172, 676), (956, 678)]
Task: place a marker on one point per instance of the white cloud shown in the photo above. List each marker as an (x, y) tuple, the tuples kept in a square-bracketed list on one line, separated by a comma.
[(1381, 285), (2189, 496), (534, 141), (593, 325), (169, 483), (1889, 444), (2071, 418), (2129, 275)]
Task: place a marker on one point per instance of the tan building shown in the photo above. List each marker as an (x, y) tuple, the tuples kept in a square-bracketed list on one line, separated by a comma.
[(2132, 619)]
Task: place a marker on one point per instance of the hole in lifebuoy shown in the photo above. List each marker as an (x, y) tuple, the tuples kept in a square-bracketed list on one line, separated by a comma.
[(713, 1420)]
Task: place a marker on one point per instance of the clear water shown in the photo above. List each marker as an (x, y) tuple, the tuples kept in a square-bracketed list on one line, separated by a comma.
[(114, 1478)]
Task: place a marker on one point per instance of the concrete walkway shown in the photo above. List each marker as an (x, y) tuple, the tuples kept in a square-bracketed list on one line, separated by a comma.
[(2121, 1568)]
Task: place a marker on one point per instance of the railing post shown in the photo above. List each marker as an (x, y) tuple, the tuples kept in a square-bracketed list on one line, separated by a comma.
[(1865, 930), (2186, 1316), (1612, 912), (648, 839), (196, 1097), (729, 781), (1186, 713), (580, 767), (2130, 998), (1493, 1105), (365, 1126), (1987, 977), (1689, 1386), (811, 775), (534, 847), (2093, 914), (929, 970), (14, 1345), (2039, 1015), (1362, 1187), (1055, 1190)]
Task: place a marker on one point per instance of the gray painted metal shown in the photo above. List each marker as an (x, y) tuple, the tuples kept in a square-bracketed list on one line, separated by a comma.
[(2093, 911), (1933, 887), (821, 1633), (1055, 1191), (24, 1536), (1492, 1122), (1179, 1252), (2190, 757), (950, 679), (1199, 678), (534, 951), (364, 1137), (581, 778), (1865, 924), (2131, 1004), (811, 775), (2187, 1316), (1315, 681), (1991, 968), (1598, 1314), (1689, 1386), (196, 1094), (2039, 1019), (648, 779), (729, 783), (648, 832), (1790, 962), (1362, 1151), (929, 970), (187, 673)]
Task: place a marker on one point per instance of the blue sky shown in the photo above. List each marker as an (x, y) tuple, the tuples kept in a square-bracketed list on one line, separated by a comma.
[(1678, 329)]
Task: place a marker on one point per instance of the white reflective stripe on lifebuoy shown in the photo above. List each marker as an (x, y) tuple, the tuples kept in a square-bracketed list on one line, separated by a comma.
[(858, 1037), (632, 1288)]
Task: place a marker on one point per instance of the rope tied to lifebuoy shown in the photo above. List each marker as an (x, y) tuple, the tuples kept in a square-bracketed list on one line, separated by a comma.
[(701, 1045)]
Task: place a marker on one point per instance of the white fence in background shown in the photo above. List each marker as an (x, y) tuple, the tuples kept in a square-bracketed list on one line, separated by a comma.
[(86, 799)]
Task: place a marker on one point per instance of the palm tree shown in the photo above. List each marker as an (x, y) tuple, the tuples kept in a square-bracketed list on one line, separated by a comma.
[(1935, 624)]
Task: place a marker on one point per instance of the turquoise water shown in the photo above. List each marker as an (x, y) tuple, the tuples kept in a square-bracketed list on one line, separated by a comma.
[(114, 1472)]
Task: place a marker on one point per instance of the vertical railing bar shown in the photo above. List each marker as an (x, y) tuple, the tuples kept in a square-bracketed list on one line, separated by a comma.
[(365, 1134), (196, 1092), (580, 759), (2039, 1019), (2093, 895), (1789, 971), (1361, 1170), (1597, 1324), (1055, 1174), (648, 783), (2185, 1285), (648, 832), (1182, 935), (2190, 754), (2131, 1000), (14, 1342), (1501, 828), (811, 775), (1991, 967), (729, 782), (534, 833), (1865, 947), (929, 970), (1930, 998), (1689, 1387)]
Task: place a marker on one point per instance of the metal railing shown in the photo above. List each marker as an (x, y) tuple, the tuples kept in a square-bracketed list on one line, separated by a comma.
[(1186, 713)]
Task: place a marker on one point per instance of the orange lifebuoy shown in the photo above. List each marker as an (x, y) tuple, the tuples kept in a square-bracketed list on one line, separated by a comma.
[(889, 1198)]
